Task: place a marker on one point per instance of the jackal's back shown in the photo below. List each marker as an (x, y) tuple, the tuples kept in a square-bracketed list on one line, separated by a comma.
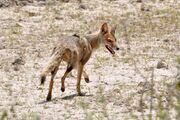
[(75, 45), (69, 42)]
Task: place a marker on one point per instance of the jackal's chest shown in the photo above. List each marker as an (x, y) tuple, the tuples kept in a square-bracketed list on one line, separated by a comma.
[(83, 49), (85, 53)]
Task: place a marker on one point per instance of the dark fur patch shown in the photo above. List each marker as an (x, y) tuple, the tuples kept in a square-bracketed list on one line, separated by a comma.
[(69, 69)]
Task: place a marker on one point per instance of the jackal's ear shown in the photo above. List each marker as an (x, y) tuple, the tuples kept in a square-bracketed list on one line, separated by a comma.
[(113, 29), (104, 28)]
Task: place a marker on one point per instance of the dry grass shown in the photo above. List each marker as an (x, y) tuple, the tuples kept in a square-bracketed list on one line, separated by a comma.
[(128, 86)]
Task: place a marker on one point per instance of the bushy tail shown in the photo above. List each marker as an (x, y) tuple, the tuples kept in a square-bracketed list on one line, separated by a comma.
[(54, 62)]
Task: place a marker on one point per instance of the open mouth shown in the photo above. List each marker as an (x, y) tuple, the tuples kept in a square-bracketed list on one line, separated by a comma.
[(110, 49)]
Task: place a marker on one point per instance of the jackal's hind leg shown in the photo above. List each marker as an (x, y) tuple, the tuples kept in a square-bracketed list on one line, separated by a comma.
[(68, 70), (86, 77), (53, 73)]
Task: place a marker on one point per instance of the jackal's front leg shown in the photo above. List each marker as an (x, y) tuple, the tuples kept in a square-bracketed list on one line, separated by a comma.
[(80, 70)]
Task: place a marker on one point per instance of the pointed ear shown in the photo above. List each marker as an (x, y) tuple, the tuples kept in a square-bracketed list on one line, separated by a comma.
[(113, 29), (104, 28)]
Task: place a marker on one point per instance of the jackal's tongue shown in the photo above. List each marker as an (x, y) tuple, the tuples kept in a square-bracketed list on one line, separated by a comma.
[(110, 49)]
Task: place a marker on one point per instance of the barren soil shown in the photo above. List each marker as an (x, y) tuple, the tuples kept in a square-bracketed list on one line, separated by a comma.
[(126, 86)]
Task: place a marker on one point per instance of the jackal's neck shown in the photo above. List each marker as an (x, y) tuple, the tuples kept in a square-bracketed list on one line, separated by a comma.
[(95, 40)]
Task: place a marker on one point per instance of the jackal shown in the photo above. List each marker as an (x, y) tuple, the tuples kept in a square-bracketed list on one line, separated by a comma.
[(76, 51)]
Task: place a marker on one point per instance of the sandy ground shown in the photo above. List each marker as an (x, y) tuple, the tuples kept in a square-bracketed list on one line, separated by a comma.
[(120, 87)]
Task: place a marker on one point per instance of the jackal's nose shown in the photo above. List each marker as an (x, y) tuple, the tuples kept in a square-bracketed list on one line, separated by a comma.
[(117, 48)]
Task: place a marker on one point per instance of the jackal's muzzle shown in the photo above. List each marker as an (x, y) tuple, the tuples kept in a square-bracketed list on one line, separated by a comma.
[(111, 50)]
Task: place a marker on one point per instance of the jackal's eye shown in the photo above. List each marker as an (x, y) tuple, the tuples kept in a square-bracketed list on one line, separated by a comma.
[(109, 40)]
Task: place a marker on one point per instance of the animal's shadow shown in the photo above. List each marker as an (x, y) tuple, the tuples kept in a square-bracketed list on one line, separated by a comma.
[(69, 97)]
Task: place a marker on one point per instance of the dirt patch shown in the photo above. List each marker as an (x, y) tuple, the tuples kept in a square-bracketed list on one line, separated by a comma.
[(127, 86), (9, 3)]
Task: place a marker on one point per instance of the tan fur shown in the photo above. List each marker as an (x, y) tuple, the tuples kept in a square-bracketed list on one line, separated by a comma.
[(76, 51)]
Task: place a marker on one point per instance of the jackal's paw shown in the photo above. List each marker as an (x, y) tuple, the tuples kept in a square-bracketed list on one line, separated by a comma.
[(87, 80), (62, 89), (48, 98), (81, 94)]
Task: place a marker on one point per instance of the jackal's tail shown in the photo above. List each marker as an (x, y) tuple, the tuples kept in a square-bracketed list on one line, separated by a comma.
[(53, 63)]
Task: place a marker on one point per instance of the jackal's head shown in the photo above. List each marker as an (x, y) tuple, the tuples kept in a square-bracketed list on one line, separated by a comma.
[(108, 37)]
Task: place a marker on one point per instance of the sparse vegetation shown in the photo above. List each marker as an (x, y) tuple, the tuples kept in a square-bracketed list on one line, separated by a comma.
[(126, 86)]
